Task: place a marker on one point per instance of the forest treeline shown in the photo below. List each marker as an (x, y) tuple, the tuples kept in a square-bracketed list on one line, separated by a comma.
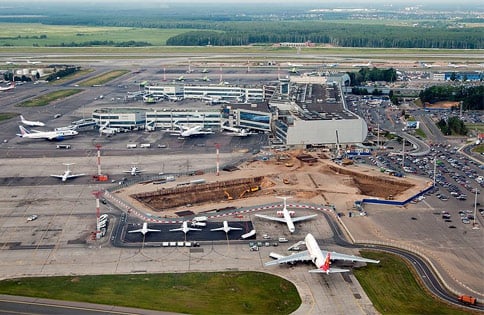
[(373, 74), (336, 34), (472, 97)]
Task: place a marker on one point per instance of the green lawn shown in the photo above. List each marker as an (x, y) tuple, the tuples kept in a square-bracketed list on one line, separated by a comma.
[(393, 289), (7, 116), (103, 78), (46, 99), (194, 293)]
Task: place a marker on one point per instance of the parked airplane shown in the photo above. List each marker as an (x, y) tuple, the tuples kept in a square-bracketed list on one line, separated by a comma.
[(190, 131), (184, 228), (453, 65), (104, 129), (8, 88), (361, 65), (226, 228), (144, 230), (67, 174), (238, 132), (134, 170), (206, 79), (205, 70), (31, 123), (426, 65), (287, 217), (315, 254), (181, 78), (58, 135)]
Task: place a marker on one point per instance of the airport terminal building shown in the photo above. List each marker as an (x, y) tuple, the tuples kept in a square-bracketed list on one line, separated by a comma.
[(298, 112)]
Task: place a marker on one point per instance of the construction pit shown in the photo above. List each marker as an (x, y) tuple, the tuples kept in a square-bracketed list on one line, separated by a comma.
[(315, 180)]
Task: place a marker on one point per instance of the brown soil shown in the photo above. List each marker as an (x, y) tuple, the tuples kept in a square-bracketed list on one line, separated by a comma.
[(258, 182)]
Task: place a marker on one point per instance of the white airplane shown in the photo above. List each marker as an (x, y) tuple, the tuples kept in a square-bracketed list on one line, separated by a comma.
[(190, 131), (144, 229), (226, 228), (8, 88), (134, 170), (206, 79), (68, 173), (362, 64), (31, 123), (184, 228), (104, 129), (58, 135), (238, 132), (181, 78), (287, 217), (319, 257), (426, 65), (453, 65)]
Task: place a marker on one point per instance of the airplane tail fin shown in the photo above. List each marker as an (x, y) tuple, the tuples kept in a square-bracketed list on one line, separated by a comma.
[(23, 131), (326, 266)]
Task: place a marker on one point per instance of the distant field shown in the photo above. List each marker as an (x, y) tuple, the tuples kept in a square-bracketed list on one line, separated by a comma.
[(20, 34)]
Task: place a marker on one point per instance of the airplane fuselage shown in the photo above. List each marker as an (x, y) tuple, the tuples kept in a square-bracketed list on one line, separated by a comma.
[(287, 217), (314, 250)]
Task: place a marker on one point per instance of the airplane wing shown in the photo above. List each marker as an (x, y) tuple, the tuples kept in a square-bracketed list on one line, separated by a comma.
[(218, 229), (75, 175), (268, 217), (330, 270), (194, 229), (177, 229), (338, 256), (57, 176), (301, 256), (303, 218)]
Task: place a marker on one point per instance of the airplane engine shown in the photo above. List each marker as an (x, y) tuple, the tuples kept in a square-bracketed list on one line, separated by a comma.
[(292, 213), (280, 213)]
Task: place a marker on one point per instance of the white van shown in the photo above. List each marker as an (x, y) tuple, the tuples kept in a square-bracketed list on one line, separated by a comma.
[(131, 145), (63, 146), (145, 145)]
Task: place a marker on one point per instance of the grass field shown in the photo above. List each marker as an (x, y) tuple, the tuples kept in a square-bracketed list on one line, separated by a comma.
[(393, 289), (44, 100), (103, 78), (53, 35), (7, 116), (193, 293)]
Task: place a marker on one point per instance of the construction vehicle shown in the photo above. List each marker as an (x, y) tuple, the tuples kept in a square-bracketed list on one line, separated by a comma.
[(466, 299), (229, 197), (251, 189)]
